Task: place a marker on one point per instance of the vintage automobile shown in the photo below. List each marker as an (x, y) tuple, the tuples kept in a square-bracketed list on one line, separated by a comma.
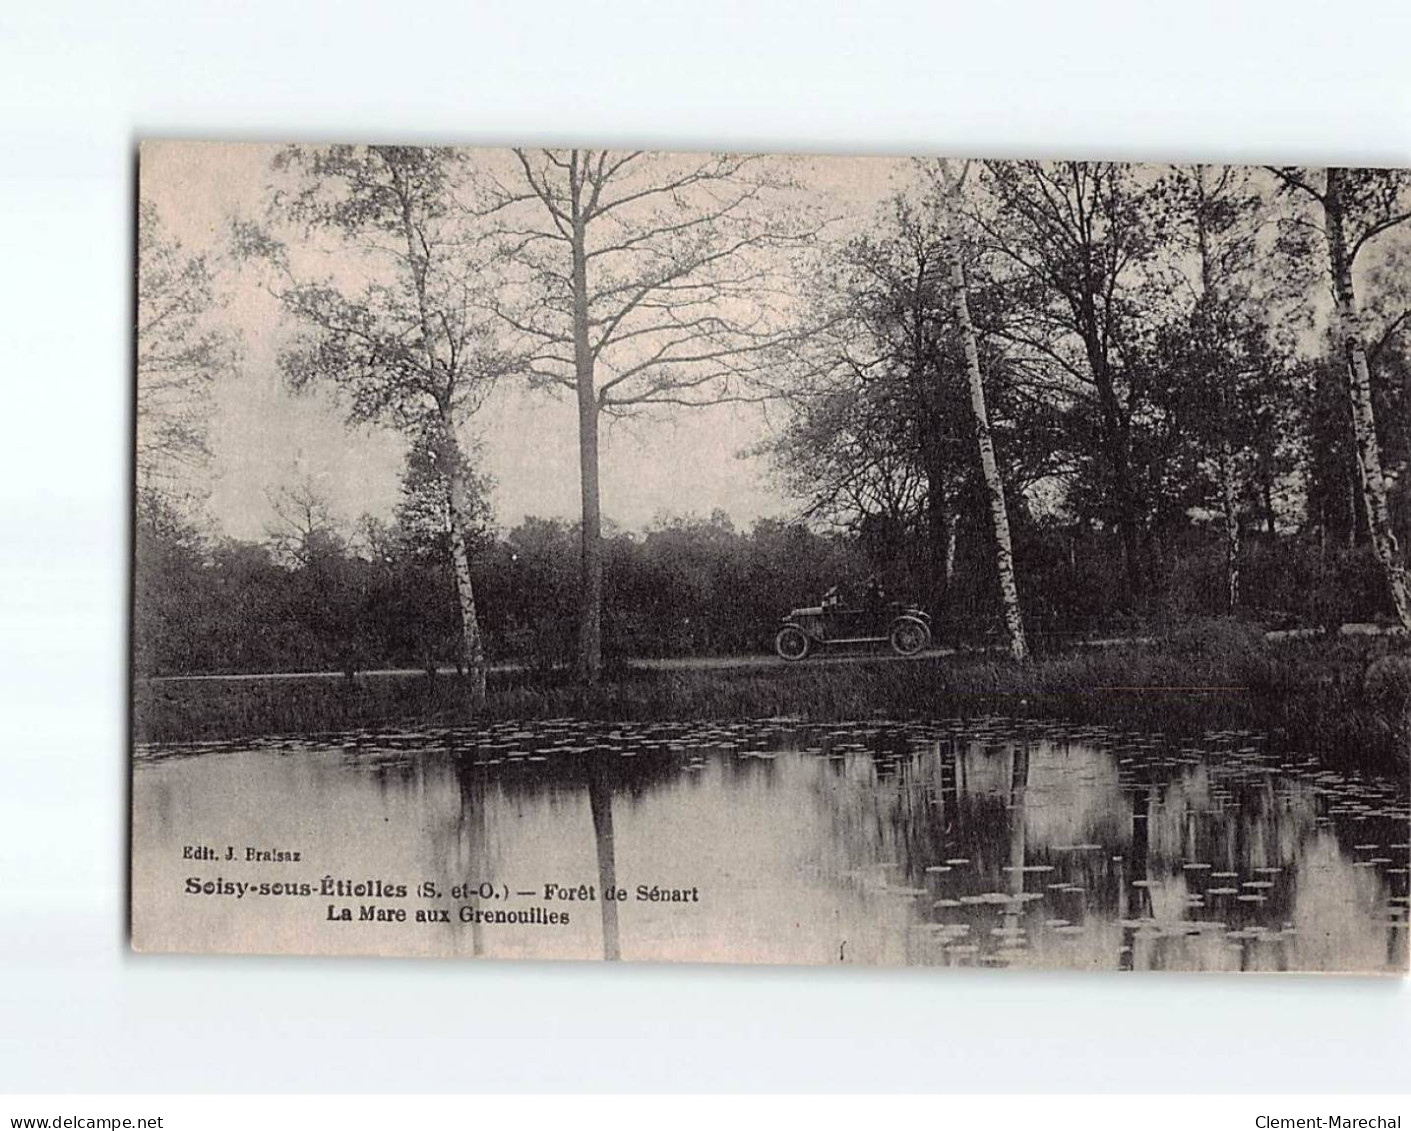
[(906, 628)]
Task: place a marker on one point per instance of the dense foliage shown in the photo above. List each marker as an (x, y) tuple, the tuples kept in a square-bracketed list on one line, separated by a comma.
[(383, 595)]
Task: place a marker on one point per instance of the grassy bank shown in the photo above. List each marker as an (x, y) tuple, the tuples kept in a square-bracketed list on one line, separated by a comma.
[(1346, 700)]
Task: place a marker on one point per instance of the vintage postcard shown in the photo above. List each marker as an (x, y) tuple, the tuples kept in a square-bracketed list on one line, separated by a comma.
[(703, 557)]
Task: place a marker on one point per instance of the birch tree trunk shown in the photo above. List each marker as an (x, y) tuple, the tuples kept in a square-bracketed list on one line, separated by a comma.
[(1232, 524), (465, 593), (994, 485), (448, 455), (1364, 425)]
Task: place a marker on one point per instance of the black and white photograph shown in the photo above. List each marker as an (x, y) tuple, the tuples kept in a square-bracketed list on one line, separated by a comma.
[(711, 557), (694, 565)]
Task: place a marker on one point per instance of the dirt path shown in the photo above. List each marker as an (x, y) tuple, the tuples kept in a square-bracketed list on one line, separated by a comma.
[(736, 663), (682, 663)]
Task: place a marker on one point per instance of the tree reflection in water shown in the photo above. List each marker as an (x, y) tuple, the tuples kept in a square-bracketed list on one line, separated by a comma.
[(985, 841), (474, 848), (600, 801)]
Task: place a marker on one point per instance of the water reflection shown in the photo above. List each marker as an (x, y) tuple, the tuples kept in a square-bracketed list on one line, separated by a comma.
[(600, 801), (990, 842)]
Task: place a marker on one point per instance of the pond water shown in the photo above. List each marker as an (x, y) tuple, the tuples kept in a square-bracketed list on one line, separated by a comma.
[(987, 842)]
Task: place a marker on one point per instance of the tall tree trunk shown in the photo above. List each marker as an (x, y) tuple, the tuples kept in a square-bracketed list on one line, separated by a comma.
[(474, 645), (590, 628), (1349, 331), (994, 485), (1230, 500), (1358, 530), (1367, 523), (451, 463)]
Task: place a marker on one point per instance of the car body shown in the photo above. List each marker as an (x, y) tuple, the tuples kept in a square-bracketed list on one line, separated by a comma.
[(905, 628)]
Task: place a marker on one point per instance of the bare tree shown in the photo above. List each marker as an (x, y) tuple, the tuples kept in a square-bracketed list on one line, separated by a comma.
[(643, 280), (951, 186), (849, 458), (302, 520), (408, 346), (180, 352), (1357, 206), (1077, 239)]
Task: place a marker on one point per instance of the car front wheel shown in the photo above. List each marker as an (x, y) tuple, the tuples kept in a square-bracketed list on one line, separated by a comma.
[(908, 637), (791, 643)]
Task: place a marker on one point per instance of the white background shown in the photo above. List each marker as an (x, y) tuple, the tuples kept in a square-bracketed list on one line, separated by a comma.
[(1296, 80)]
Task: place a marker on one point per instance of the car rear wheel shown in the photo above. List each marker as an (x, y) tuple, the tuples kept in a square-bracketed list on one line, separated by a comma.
[(908, 637), (791, 643)]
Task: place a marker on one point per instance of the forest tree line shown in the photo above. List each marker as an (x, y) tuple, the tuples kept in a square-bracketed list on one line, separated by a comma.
[(317, 598), (379, 597), (1042, 399)]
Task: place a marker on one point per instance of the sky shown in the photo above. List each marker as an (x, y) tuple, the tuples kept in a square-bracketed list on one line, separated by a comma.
[(264, 437)]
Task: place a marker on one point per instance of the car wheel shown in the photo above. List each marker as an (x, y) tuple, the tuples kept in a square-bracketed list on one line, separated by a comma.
[(791, 643), (908, 637)]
